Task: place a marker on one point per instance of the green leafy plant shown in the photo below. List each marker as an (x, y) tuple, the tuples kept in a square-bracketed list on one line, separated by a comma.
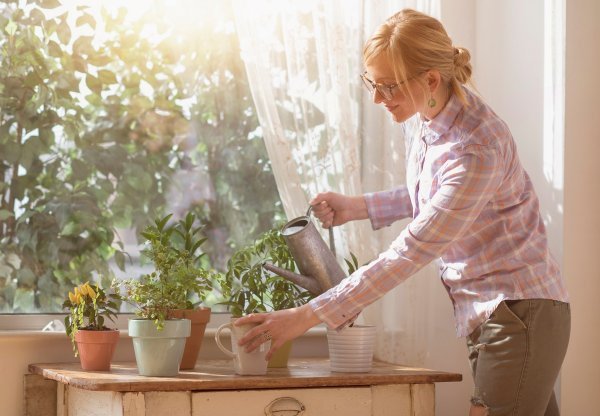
[(352, 263), (88, 306), (251, 288), (178, 278)]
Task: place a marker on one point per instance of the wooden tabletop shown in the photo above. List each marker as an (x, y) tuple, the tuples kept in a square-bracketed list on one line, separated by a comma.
[(219, 375)]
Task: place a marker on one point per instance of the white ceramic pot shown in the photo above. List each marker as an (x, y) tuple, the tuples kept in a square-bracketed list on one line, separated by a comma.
[(159, 353), (351, 349)]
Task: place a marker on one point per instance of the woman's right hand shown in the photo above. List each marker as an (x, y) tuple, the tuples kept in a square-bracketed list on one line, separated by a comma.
[(334, 209)]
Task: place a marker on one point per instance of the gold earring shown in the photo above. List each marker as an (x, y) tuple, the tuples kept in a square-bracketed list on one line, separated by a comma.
[(431, 103)]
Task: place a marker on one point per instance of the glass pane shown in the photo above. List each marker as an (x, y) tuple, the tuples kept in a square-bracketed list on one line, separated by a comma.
[(115, 114)]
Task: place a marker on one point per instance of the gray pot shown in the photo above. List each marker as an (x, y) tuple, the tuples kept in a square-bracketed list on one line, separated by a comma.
[(159, 353)]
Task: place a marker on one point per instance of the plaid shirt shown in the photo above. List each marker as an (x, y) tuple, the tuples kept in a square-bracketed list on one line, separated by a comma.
[(473, 206)]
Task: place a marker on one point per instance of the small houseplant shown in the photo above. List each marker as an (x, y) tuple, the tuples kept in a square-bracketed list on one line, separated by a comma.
[(178, 278), (250, 288), (94, 342)]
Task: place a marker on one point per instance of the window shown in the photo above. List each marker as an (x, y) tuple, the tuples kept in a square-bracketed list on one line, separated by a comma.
[(113, 116)]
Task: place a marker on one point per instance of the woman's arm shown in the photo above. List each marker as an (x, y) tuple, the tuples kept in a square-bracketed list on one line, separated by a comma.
[(382, 208), (387, 207), (468, 183)]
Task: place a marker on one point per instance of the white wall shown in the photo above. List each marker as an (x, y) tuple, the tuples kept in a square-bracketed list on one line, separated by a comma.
[(581, 370), (509, 58), (509, 62)]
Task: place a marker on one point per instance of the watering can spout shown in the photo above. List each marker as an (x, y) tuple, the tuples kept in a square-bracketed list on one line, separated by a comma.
[(306, 282)]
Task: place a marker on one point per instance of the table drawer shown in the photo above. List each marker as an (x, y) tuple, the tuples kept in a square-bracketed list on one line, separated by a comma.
[(348, 401)]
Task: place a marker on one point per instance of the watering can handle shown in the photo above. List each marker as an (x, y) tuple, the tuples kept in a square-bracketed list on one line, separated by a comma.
[(330, 229)]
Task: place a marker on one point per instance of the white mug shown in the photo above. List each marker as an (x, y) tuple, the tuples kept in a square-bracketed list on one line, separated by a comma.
[(244, 363)]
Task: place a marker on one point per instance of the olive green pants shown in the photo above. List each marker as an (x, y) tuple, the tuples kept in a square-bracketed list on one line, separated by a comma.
[(516, 355)]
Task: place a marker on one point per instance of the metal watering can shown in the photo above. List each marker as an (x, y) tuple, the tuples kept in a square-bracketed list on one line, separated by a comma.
[(317, 263)]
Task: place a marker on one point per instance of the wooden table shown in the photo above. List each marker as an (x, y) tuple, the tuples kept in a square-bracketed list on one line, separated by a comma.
[(306, 387)]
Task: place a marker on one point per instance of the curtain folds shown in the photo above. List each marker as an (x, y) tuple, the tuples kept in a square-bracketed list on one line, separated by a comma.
[(303, 61)]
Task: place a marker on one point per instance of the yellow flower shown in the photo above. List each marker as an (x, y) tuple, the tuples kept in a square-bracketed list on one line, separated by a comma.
[(72, 297), (83, 290), (90, 291), (79, 294)]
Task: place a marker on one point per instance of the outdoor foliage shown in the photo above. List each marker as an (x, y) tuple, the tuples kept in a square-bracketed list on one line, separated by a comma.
[(103, 127)]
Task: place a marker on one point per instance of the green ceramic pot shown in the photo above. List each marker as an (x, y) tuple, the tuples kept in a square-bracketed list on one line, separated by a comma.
[(159, 353)]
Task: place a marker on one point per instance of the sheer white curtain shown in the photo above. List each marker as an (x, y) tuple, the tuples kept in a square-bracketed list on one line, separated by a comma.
[(303, 61)]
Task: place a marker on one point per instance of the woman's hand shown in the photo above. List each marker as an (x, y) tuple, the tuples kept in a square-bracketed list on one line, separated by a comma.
[(333, 209), (281, 326)]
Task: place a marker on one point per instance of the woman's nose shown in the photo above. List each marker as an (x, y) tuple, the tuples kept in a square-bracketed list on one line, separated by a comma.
[(377, 97)]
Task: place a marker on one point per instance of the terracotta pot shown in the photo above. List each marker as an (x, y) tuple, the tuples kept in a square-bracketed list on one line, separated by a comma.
[(281, 356), (96, 348), (199, 317)]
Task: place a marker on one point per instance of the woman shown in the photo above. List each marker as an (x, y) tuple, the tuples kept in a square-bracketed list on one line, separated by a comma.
[(472, 206)]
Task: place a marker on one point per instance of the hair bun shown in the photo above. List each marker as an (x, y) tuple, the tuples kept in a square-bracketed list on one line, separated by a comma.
[(462, 64)]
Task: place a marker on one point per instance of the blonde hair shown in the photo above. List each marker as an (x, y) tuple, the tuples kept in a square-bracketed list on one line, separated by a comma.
[(415, 43)]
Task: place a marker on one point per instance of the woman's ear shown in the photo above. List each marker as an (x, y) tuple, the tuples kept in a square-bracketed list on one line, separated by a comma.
[(434, 79)]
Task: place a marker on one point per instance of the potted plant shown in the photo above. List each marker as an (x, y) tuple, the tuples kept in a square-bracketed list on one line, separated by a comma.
[(250, 288), (185, 240), (92, 340), (176, 280)]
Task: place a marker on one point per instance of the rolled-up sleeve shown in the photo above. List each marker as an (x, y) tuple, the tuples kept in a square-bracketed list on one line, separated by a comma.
[(388, 206), (467, 183)]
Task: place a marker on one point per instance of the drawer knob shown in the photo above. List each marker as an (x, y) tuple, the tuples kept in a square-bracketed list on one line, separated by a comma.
[(285, 406)]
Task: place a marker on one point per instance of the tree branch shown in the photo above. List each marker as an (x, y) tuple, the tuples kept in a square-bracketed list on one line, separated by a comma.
[(12, 221)]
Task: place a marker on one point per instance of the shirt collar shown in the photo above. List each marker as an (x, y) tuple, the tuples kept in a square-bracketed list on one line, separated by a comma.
[(442, 122)]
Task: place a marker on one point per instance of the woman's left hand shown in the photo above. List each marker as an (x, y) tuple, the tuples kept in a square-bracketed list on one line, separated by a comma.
[(280, 326)]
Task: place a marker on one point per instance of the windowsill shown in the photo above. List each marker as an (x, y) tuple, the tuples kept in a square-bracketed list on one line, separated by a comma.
[(318, 331)]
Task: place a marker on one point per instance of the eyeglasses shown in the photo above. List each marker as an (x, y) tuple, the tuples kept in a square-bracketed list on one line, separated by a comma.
[(385, 90)]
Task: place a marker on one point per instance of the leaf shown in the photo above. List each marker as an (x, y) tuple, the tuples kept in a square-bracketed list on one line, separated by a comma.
[(5, 271), (24, 300), (120, 260), (161, 223), (5, 214), (54, 49), (14, 261), (107, 77), (36, 16), (12, 152), (99, 60), (83, 46), (86, 19), (71, 228), (93, 83), (80, 169), (48, 4), (26, 277), (79, 64), (64, 32), (11, 28), (33, 79)]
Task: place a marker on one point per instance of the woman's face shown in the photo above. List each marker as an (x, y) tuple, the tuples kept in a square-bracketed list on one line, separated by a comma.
[(403, 104)]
